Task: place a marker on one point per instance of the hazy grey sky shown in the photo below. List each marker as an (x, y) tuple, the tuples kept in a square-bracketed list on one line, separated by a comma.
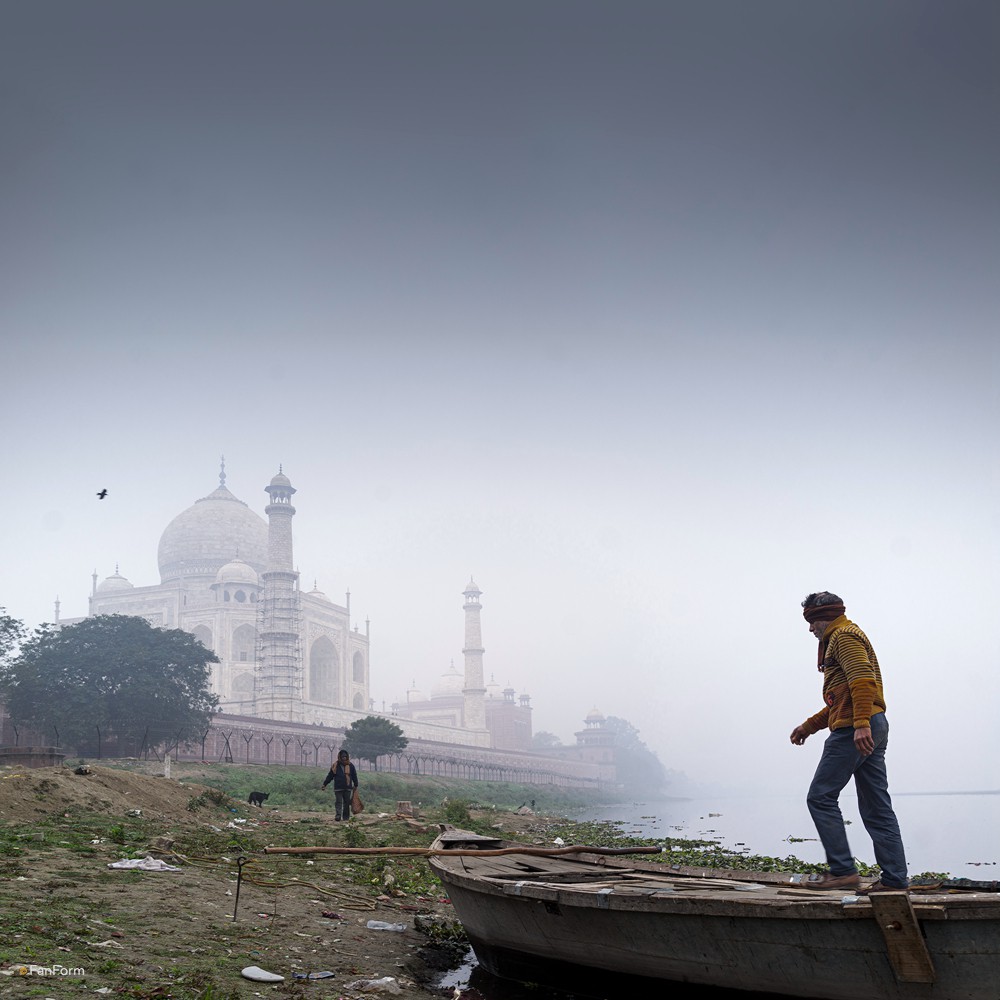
[(651, 316)]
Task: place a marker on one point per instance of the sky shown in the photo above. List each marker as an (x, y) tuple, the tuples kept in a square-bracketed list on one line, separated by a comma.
[(651, 317)]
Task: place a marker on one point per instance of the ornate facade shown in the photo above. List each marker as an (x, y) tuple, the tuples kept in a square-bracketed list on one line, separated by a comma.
[(227, 577)]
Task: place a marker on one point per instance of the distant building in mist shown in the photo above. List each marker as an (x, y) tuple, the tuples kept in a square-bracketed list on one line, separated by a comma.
[(595, 744), (227, 576), (463, 701)]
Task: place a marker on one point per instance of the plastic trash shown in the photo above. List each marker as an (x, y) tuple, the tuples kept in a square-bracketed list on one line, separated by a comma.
[(384, 985), (146, 864), (381, 925), (259, 975)]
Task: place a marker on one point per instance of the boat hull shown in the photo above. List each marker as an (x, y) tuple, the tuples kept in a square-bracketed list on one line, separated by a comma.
[(760, 941), (827, 959)]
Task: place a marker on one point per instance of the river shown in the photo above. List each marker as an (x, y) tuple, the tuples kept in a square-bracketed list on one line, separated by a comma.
[(942, 832)]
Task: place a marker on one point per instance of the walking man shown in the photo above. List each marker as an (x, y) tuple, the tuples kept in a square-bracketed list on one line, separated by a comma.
[(345, 780), (859, 733)]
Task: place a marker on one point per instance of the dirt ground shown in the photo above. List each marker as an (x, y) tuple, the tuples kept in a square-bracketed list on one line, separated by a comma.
[(78, 926)]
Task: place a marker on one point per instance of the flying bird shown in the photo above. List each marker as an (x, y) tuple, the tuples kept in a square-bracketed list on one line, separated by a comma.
[(102, 494)]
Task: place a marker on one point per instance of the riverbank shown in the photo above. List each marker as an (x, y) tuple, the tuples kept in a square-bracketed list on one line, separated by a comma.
[(223, 905)]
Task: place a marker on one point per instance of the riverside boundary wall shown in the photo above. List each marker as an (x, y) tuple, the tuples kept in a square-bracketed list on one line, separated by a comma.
[(245, 739)]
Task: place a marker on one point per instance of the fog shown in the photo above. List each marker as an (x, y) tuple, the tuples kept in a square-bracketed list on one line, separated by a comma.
[(650, 317)]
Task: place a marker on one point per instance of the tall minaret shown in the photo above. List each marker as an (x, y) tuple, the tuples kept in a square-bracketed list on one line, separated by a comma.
[(474, 709), (278, 680)]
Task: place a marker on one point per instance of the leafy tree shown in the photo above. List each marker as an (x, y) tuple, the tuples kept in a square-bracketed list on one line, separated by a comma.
[(370, 737), (542, 740), (626, 735), (111, 676), (638, 767), (12, 634)]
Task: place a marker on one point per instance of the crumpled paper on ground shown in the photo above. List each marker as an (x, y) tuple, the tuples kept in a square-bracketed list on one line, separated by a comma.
[(146, 864)]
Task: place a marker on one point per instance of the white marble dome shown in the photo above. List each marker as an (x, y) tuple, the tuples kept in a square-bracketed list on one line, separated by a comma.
[(202, 539), (449, 685), (114, 582), (237, 571)]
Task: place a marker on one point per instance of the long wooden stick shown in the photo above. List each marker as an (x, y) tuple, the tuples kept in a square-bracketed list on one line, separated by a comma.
[(430, 852)]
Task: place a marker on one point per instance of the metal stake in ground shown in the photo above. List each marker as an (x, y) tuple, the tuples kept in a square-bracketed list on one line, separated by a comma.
[(240, 862)]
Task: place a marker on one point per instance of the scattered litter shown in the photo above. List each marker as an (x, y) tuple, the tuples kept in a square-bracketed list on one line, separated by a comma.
[(134, 812), (384, 985), (107, 944), (146, 864), (381, 925), (559, 841), (313, 975), (333, 915), (259, 975)]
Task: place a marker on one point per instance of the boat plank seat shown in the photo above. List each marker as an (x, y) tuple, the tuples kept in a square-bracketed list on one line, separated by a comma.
[(904, 940)]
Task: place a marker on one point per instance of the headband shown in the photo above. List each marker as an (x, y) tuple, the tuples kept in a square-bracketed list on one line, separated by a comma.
[(821, 611)]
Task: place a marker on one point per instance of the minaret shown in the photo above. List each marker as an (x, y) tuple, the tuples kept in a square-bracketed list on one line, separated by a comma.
[(278, 680), (474, 709)]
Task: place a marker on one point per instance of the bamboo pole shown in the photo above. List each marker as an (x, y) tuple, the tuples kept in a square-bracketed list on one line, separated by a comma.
[(431, 852)]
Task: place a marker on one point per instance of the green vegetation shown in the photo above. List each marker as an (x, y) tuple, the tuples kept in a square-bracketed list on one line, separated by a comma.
[(301, 788), (111, 683), (371, 737), (12, 634), (639, 769)]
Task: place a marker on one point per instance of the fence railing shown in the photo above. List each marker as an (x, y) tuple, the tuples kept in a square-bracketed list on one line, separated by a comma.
[(296, 745)]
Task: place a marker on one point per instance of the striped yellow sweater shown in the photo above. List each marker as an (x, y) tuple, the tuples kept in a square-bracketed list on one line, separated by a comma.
[(852, 681)]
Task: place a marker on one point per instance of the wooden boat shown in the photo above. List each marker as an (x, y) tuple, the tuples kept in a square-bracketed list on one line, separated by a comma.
[(526, 914)]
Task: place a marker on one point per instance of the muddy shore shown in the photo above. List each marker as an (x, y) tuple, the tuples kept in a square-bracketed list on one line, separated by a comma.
[(71, 925)]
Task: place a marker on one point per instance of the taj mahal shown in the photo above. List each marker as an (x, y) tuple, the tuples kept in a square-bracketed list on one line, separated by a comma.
[(227, 576)]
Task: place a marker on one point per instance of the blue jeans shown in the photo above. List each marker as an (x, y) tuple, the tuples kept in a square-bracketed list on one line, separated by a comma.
[(839, 762)]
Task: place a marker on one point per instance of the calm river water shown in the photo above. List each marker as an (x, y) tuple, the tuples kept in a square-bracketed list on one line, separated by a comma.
[(942, 832)]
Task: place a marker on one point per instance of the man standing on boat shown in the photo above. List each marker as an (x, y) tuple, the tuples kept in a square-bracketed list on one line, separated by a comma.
[(859, 734)]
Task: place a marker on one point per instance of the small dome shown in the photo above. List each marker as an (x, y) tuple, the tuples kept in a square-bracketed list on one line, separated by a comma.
[(237, 571), (493, 690), (449, 685), (113, 583), (595, 715), (414, 694), (281, 480)]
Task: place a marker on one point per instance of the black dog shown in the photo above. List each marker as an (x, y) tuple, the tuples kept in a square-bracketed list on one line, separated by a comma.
[(257, 798)]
